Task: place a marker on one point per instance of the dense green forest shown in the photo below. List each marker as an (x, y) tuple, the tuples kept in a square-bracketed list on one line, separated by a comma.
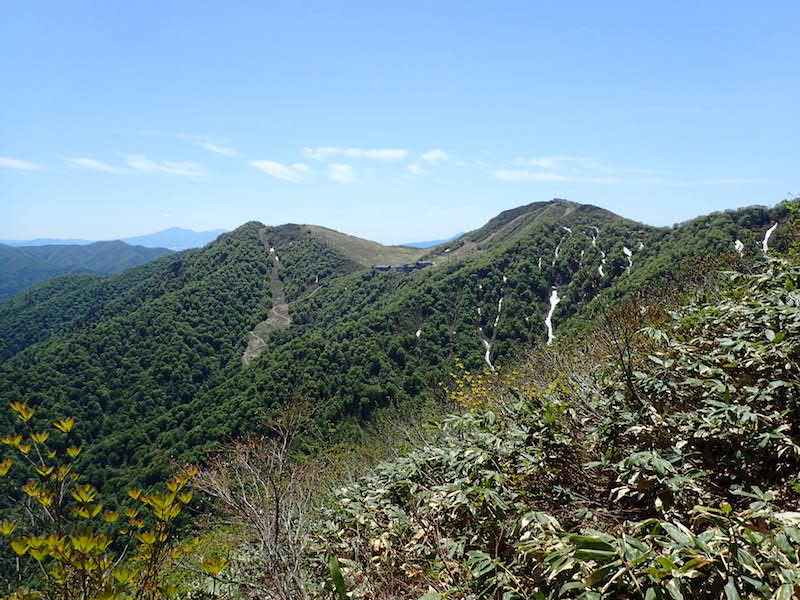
[(149, 360), (667, 471), (571, 471), (22, 267)]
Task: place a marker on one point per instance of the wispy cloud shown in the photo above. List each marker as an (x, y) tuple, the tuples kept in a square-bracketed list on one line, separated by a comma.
[(142, 164), (519, 175), (342, 174), (293, 173), (415, 169), (386, 154), (218, 148), (702, 182), (212, 144), (523, 175), (435, 156), (91, 164), (551, 162), (578, 165), (20, 165)]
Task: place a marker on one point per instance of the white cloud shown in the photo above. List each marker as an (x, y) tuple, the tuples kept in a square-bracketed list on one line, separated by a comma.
[(508, 175), (142, 164), (293, 173), (365, 153), (342, 174), (551, 162), (93, 165), (215, 145), (415, 169), (519, 175), (435, 156), (701, 182), (217, 148), (20, 165)]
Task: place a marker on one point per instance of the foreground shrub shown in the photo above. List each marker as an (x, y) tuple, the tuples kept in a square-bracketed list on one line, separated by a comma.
[(67, 544), (669, 472)]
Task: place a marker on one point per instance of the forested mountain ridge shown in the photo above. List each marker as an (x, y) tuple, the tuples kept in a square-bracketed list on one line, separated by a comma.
[(174, 238), (150, 360), (22, 267)]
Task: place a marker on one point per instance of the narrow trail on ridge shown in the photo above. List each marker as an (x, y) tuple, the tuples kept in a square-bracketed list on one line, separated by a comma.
[(278, 317)]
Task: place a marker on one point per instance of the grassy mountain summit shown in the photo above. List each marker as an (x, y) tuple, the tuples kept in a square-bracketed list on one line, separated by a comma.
[(150, 360), (363, 251)]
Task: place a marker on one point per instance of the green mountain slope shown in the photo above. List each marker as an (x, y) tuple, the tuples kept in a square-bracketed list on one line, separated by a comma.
[(565, 480), (150, 360), (25, 266)]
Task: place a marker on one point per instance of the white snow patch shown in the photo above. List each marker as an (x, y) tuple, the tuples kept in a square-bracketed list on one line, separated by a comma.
[(499, 308), (487, 357), (505, 279), (629, 254), (561, 241), (540, 263), (419, 333), (739, 245), (447, 250), (641, 245), (548, 321), (765, 241), (558, 249), (602, 264)]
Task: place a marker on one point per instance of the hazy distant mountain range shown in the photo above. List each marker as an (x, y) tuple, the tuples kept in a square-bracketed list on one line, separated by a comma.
[(24, 266), (432, 243), (174, 238)]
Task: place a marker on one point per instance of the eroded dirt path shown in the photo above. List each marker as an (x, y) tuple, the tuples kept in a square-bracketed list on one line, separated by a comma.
[(278, 317)]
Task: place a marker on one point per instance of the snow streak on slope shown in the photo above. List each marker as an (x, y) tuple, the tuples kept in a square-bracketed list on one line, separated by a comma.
[(602, 254), (629, 255), (739, 246), (548, 322), (765, 241), (561, 241), (488, 356), (488, 352), (499, 308)]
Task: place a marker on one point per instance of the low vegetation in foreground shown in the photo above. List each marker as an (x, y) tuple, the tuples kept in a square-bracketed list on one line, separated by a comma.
[(659, 459), (658, 462)]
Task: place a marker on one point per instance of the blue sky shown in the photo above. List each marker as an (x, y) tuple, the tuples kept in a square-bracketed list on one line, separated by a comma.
[(396, 121)]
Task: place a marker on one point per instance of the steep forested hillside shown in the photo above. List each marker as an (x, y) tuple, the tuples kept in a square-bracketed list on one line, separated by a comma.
[(150, 360), (567, 478), (25, 266)]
